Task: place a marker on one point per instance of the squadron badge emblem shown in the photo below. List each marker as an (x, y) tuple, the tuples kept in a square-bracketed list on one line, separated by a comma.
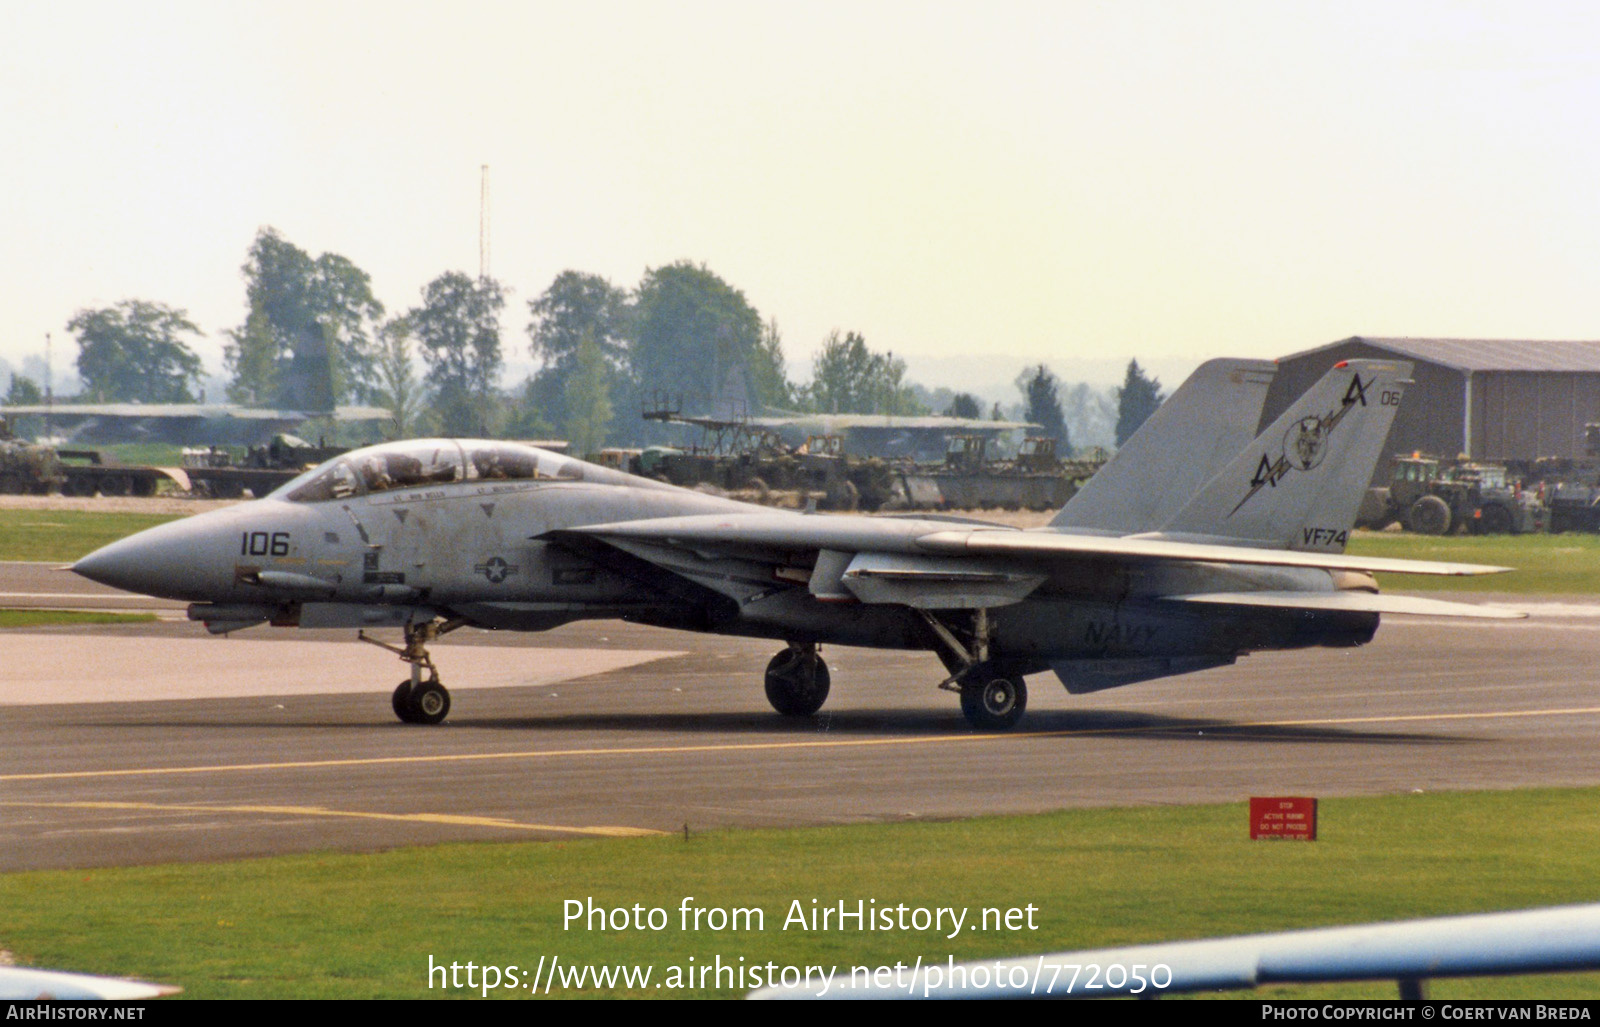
[(1306, 442)]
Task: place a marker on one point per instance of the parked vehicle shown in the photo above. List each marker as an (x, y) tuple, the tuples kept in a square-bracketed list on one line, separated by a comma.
[(1432, 496)]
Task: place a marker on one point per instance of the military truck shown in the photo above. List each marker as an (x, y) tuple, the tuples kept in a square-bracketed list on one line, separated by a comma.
[(1036, 479), (88, 471), (219, 473), (1432, 496), (25, 467), (29, 468)]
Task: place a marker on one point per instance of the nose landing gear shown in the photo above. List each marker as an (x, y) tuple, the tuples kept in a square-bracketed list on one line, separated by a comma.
[(415, 700), (421, 702), (797, 680)]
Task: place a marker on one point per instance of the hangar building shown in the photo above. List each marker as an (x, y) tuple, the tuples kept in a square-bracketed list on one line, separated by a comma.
[(1492, 399)]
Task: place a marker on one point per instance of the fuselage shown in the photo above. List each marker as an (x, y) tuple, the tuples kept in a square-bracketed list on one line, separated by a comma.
[(413, 530)]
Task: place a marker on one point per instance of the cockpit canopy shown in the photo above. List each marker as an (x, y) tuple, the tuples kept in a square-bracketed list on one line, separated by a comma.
[(418, 462)]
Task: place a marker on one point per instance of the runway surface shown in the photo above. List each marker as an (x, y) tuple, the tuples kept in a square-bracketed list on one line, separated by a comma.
[(154, 742)]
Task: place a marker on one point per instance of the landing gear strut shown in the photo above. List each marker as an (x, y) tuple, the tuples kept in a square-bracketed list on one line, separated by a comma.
[(418, 701), (990, 699), (797, 680)]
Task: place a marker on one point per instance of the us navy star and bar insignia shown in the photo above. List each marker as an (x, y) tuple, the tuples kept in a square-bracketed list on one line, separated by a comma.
[(495, 569)]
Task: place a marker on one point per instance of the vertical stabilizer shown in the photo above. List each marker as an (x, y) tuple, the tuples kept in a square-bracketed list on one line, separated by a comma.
[(1190, 437), (1299, 485)]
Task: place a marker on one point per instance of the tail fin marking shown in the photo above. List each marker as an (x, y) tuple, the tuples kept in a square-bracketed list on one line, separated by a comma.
[(1299, 485)]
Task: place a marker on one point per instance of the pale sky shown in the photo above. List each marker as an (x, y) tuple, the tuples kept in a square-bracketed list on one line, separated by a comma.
[(973, 186)]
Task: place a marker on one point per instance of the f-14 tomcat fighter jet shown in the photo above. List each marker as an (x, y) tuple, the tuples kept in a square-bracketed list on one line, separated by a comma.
[(1198, 543)]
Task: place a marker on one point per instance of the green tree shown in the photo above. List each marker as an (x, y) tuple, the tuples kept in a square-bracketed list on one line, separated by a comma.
[(458, 330), (1137, 399), (964, 404), (849, 378), (307, 341), (398, 389), (132, 352), (577, 306), (588, 399), (1090, 412), (25, 392), (525, 415), (1043, 405), (691, 327), (769, 373)]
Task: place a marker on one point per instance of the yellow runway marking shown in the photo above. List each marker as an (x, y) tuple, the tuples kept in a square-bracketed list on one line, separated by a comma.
[(835, 743), (321, 811)]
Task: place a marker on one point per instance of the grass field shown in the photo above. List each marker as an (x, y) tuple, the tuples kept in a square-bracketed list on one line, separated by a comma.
[(1555, 564), (149, 454), (332, 925), (66, 535), (37, 618)]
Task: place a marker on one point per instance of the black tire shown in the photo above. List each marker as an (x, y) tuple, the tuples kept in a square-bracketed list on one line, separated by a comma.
[(12, 485), (116, 485), (797, 682), (995, 705), (76, 485), (401, 701), (1429, 515), (1494, 520), (429, 703)]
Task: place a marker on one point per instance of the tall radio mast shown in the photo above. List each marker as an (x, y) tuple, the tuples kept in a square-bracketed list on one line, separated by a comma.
[(483, 225), (49, 390)]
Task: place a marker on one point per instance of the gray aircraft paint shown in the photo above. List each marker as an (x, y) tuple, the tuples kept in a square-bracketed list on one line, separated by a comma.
[(1189, 439), (406, 533), (1299, 485)]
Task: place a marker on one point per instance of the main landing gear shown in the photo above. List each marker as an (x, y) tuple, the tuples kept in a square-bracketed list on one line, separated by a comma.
[(797, 680), (995, 704), (418, 701), (991, 699)]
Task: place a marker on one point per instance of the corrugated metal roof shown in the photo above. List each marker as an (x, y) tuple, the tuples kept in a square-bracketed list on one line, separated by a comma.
[(1484, 354)]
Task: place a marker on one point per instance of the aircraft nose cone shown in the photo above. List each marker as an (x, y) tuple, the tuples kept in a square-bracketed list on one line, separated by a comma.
[(159, 562), (119, 565)]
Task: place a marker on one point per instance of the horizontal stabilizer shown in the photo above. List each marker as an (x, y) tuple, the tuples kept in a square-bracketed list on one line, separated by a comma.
[(1355, 602)]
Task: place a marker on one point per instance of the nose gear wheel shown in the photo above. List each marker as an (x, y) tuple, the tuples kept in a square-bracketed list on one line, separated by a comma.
[(415, 700)]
